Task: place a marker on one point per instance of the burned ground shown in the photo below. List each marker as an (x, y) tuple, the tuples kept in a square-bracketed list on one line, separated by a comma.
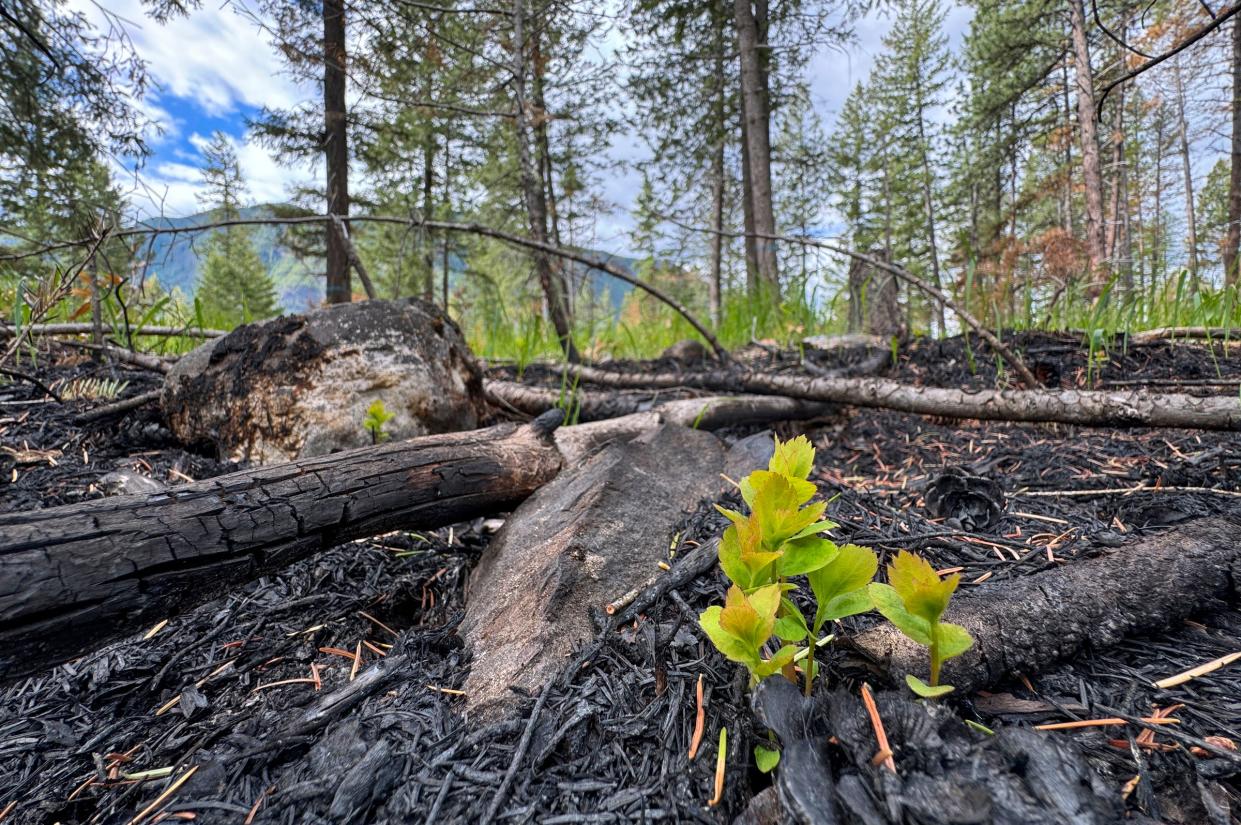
[(235, 689)]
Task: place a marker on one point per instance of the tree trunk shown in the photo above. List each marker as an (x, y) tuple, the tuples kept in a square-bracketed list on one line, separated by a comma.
[(757, 117), (1191, 222), (747, 215), (929, 203), (1066, 192), (74, 577), (534, 194), (335, 147), (428, 206), (1232, 241), (1091, 170), (714, 283)]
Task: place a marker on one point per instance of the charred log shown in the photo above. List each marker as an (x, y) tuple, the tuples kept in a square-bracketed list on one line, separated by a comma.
[(74, 577), (1025, 625)]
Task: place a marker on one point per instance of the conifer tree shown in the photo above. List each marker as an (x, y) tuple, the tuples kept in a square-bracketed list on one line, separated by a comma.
[(234, 286)]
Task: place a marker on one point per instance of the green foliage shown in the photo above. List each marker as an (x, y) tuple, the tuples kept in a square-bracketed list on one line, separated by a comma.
[(779, 539), (376, 417), (766, 758), (913, 600)]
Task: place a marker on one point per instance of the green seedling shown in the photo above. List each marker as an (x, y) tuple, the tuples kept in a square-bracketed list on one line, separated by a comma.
[(913, 600), (779, 539), (376, 417)]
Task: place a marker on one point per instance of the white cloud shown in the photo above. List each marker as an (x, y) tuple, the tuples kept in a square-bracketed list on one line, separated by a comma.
[(215, 56)]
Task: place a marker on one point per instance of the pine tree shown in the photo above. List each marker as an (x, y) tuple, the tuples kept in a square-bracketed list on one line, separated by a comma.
[(234, 286)]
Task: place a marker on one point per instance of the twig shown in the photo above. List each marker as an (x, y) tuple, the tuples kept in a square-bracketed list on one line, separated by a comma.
[(1175, 50), (1122, 491), (84, 329), (116, 408), (12, 373), (1195, 672), (518, 757)]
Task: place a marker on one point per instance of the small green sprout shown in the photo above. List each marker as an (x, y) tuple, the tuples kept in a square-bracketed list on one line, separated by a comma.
[(760, 552), (913, 600), (376, 417)]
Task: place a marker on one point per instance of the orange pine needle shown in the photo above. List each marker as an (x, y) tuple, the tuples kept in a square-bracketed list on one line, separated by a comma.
[(881, 735), (357, 663), (700, 722), (1099, 723)]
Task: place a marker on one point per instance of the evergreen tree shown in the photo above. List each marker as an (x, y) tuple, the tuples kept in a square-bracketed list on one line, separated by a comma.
[(234, 286)]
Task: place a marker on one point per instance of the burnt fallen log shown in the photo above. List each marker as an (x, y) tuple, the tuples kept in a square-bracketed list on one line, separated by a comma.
[(1027, 624), (74, 577), (1087, 407)]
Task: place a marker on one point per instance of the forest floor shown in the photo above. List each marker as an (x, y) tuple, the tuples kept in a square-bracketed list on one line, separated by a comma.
[(197, 719)]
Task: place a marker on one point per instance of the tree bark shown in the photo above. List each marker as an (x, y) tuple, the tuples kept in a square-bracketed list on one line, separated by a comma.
[(74, 577), (1191, 222), (1088, 132), (534, 193), (1232, 240), (756, 114), (716, 265), (1142, 588), (929, 204), (335, 147), (1086, 407)]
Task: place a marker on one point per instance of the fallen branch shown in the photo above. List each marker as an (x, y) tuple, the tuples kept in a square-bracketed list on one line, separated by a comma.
[(715, 411), (7, 330), (1027, 624), (119, 407), (1151, 336), (1086, 407)]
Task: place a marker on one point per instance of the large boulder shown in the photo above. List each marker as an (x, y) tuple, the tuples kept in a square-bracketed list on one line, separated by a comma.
[(300, 385), (587, 537)]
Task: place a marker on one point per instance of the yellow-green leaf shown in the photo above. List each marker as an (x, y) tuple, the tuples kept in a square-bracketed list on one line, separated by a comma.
[(793, 458), (732, 647), (888, 602), (840, 586), (805, 555), (920, 588), (924, 690), (783, 656), (766, 758), (953, 640)]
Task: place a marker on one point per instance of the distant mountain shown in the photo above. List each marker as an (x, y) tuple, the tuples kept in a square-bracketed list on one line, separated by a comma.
[(175, 259)]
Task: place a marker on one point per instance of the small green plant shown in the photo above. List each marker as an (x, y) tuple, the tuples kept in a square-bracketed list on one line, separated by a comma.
[(759, 625), (91, 388), (376, 417), (913, 600)]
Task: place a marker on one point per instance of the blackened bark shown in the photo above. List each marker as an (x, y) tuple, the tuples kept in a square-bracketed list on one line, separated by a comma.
[(74, 577), (335, 147)]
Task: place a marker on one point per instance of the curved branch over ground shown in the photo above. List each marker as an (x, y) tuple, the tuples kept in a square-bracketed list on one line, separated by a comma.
[(1190, 40), (443, 226), (7, 330), (1086, 407)]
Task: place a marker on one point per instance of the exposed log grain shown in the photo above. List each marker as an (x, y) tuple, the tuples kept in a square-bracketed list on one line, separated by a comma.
[(1086, 407), (1024, 625), (74, 577)]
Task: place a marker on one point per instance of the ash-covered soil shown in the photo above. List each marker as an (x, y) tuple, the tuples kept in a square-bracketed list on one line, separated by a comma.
[(226, 714)]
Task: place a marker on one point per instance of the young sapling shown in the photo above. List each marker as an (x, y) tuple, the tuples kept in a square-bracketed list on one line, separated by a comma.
[(913, 600), (376, 417)]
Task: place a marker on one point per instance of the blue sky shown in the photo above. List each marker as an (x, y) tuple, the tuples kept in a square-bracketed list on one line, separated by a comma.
[(215, 69)]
